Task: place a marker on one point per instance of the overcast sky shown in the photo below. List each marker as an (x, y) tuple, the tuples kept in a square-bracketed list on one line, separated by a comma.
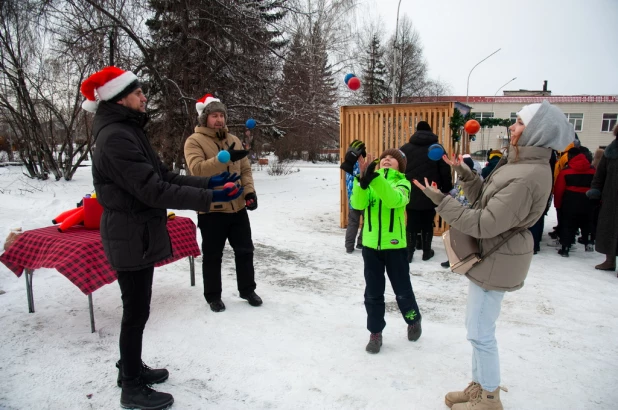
[(573, 44)]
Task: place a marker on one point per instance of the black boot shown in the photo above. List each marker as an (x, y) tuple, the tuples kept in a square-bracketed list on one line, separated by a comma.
[(419, 241), (427, 251), (138, 395), (217, 306), (252, 298), (564, 251), (415, 331), (149, 375)]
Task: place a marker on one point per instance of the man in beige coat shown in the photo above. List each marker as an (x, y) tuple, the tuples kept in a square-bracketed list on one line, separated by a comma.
[(209, 151), (514, 196)]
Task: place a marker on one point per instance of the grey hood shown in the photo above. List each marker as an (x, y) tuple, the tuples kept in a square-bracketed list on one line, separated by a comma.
[(548, 128)]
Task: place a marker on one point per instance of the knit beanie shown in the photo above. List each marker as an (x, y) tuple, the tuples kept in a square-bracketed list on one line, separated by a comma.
[(494, 153), (110, 84), (399, 156), (528, 112), (423, 126), (209, 104)]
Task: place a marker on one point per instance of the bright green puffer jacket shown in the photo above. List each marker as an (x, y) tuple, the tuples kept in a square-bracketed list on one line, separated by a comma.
[(384, 203)]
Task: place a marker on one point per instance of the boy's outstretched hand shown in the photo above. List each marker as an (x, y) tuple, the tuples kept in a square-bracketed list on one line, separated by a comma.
[(355, 151), (431, 191), (367, 170)]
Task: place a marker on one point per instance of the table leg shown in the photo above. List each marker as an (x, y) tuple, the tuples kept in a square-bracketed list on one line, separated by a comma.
[(91, 313), (192, 269), (28, 273)]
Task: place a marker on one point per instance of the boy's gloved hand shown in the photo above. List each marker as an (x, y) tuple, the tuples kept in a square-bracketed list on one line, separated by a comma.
[(593, 194), (222, 178), (369, 175), (251, 201), (356, 149), (223, 195)]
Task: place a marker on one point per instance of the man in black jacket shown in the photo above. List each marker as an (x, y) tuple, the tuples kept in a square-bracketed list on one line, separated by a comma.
[(421, 211), (135, 189)]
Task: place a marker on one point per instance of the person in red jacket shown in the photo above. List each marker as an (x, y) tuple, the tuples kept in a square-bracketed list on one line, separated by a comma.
[(570, 199)]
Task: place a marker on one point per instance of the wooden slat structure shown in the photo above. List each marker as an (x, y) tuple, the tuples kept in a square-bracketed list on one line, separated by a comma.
[(387, 126)]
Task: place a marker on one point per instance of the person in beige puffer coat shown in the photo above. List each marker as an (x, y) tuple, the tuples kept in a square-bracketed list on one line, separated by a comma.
[(513, 197), (211, 150)]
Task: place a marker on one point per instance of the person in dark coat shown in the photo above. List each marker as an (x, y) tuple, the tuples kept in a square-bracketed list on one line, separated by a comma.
[(135, 189), (493, 157), (421, 211), (570, 199), (605, 187)]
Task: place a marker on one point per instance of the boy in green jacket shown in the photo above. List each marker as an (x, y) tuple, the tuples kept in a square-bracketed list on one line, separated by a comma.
[(383, 195)]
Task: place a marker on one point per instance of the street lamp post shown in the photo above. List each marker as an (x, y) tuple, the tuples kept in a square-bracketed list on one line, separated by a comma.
[(468, 83), (395, 53)]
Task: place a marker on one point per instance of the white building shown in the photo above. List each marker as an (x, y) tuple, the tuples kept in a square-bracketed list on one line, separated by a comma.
[(593, 116)]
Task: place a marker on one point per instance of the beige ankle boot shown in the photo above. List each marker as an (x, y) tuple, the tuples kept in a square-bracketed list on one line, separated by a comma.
[(609, 264), (455, 397), (481, 399)]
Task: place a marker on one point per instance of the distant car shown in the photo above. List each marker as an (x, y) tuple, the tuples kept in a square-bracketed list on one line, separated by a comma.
[(480, 155)]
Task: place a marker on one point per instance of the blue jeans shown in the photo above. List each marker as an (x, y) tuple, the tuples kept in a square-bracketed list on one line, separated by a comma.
[(481, 315)]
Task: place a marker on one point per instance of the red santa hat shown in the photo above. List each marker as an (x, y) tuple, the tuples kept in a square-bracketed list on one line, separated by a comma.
[(211, 104), (110, 84)]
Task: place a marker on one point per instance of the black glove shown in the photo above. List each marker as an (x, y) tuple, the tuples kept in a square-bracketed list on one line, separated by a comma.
[(370, 174), (593, 194), (355, 149), (251, 201), (236, 154), (223, 195), (222, 178)]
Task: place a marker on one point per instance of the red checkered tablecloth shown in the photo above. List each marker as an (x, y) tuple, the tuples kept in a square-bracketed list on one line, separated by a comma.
[(78, 253)]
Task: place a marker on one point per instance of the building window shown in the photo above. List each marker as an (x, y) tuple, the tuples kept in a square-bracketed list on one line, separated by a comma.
[(480, 115), (609, 122), (513, 118), (576, 119)]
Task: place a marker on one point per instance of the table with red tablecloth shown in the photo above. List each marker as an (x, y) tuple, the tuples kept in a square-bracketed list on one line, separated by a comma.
[(78, 255)]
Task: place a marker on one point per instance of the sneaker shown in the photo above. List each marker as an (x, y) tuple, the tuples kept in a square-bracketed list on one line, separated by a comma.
[(555, 243), (148, 374), (217, 306), (375, 342), (136, 394), (252, 298), (455, 397), (590, 248), (414, 331), (445, 264)]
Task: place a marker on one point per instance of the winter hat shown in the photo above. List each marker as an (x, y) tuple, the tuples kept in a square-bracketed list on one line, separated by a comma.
[(398, 155), (528, 112), (111, 84), (469, 162), (548, 128), (494, 153), (423, 126), (209, 104)]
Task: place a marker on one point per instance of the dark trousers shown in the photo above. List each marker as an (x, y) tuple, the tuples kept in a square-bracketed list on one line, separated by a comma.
[(396, 264), (354, 216), (420, 221), (576, 212), (537, 232), (216, 228), (136, 290)]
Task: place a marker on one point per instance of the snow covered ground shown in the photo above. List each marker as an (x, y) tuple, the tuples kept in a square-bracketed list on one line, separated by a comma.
[(304, 348)]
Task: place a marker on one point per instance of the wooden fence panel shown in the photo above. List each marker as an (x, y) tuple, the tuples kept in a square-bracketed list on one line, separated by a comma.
[(388, 126)]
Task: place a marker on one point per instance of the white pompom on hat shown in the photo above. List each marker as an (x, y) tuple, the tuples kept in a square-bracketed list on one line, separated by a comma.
[(527, 112), (209, 104), (110, 84)]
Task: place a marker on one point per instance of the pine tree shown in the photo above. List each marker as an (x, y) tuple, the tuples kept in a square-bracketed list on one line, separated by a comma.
[(374, 90)]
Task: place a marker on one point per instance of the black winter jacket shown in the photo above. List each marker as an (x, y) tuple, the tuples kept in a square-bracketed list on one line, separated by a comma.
[(420, 166), (135, 188)]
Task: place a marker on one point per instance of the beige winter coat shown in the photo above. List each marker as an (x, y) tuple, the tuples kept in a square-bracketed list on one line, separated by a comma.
[(201, 150), (514, 196)]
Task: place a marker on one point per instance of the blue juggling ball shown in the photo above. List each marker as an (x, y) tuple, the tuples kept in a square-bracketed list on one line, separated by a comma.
[(347, 77), (250, 124), (223, 157), (435, 152)]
